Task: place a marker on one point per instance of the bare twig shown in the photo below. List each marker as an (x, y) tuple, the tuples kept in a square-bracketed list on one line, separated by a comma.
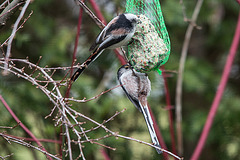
[(106, 121), (90, 13), (57, 99), (9, 10), (31, 139), (47, 92), (121, 136), (6, 2), (21, 26), (5, 127), (98, 12), (185, 18), (180, 76), (21, 142), (75, 51), (68, 142), (95, 97), (8, 53), (7, 156), (10, 127)]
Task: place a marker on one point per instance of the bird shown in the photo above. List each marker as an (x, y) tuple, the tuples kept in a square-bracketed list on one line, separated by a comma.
[(137, 87), (118, 32)]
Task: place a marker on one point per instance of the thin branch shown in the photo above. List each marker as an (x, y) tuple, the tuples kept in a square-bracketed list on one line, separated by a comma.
[(170, 114), (185, 18), (10, 127), (21, 26), (68, 142), (5, 127), (133, 139), (219, 93), (31, 139), (90, 13), (121, 136), (57, 100), (9, 10), (7, 156), (106, 121), (98, 12), (4, 3), (104, 146), (75, 50), (21, 142), (180, 76), (97, 139), (62, 107), (70, 82), (95, 97), (13, 34)]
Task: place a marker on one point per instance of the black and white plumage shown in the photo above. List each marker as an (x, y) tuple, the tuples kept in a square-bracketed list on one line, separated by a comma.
[(137, 87), (117, 33)]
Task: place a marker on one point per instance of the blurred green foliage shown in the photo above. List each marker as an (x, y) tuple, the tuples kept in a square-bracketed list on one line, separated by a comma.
[(50, 32)]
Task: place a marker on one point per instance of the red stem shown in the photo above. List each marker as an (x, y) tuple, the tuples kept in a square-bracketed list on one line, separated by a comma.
[(97, 11), (22, 125), (104, 153), (75, 49), (120, 57), (71, 71), (77, 38), (170, 114), (219, 92)]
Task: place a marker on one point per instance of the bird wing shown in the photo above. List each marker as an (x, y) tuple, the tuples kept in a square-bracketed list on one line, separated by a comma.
[(103, 34), (111, 42), (111, 33), (99, 39), (132, 99)]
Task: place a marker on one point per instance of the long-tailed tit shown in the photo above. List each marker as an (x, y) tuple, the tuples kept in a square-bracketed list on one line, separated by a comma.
[(137, 87), (117, 33)]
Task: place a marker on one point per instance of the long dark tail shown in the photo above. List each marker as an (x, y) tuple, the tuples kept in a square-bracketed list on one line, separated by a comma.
[(151, 129), (90, 59)]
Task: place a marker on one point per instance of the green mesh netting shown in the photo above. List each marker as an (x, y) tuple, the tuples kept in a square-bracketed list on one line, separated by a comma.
[(151, 45)]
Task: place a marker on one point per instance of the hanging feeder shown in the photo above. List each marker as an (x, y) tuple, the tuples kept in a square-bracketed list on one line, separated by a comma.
[(151, 45)]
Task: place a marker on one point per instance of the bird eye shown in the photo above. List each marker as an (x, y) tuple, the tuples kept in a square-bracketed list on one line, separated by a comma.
[(126, 67)]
